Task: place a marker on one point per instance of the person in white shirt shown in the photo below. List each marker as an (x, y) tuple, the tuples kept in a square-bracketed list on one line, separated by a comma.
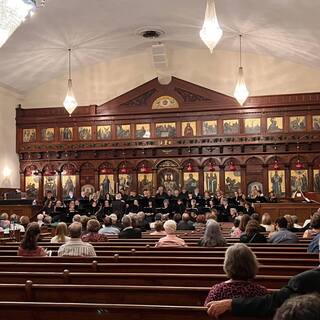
[(75, 247)]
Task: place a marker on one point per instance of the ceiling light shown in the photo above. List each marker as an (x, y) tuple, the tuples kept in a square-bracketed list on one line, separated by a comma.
[(211, 32), (241, 92), (70, 102), (12, 14)]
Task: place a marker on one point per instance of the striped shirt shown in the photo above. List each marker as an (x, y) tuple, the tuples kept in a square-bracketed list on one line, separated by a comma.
[(75, 247)]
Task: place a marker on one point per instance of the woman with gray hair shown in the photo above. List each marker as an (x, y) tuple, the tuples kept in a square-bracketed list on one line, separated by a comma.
[(241, 267), (212, 236), (170, 240)]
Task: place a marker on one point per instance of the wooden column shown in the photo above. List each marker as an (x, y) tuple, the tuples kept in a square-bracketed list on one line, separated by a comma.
[(154, 181), (265, 183), (78, 187), (243, 168), (221, 178), (287, 179), (201, 179), (59, 185), (22, 182), (41, 190), (310, 177)]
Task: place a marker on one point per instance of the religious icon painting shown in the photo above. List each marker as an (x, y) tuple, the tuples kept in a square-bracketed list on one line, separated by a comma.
[(165, 102), (298, 181), (104, 132), (68, 184), (231, 126), (209, 128), (253, 188), (125, 181), (106, 183), (29, 135), (277, 182), (166, 130), (316, 122), (252, 125), (88, 189), (32, 186), (85, 133), (143, 131), (144, 182), (50, 183), (169, 178), (189, 129), (211, 181), (123, 131), (297, 123), (190, 181), (66, 134), (316, 180), (275, 124), (232, 181), (47, 134)]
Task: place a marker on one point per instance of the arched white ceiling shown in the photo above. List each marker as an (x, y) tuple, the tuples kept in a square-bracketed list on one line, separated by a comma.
[(101, 30)]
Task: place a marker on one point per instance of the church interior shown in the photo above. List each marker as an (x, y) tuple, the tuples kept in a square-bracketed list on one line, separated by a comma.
[(160, 159)]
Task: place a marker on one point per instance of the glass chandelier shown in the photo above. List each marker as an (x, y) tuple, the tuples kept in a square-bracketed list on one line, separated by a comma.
[(12, 14), (211, 32), (241, 92), (70, 102)]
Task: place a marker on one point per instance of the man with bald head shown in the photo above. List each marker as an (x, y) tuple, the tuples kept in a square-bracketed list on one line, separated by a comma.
[(75, 247)]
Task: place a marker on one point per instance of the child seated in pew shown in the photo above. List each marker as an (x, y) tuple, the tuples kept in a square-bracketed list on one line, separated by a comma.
[(241, 267), (29, 244)]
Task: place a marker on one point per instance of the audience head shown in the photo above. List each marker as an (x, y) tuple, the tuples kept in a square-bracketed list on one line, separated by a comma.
[(244, 221), (294, 219), (302, 307), (252, 228), (170, 227), (140, 216), (158, 216), (84, 221), (213, 236), (24, 220), (256, 216), (240, 263), (14, 218), (185, 217), (236, 222), (113, 218), (282, 223), (4, 216), (40, 217), (126, 221), (315, 221), (47, 220), (61, 231), (107, 221), (158, 226), (75, 230), (201, 218), (289, 220), (31, 236), (93, 225), (177, 217), (266, 219), (76, 218)]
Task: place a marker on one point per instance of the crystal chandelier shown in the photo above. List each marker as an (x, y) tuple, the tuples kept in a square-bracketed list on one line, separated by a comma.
[(211, 32), (12, 14), (70, 102), (241, 92)]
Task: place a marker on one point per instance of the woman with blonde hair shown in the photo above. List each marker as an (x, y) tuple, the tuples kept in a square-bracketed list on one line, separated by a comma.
[(61, 234)]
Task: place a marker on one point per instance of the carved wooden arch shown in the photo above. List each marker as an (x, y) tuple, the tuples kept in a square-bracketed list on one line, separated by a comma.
[(175, 163), (191, 161), (87, 165), (50, 168), (259, 158), (69, 166), (214, 160)]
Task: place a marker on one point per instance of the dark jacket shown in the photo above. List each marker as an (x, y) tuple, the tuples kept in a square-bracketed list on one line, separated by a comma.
[(314, 244), (256, 238), (183, 225), (130, 233), (302, 283)]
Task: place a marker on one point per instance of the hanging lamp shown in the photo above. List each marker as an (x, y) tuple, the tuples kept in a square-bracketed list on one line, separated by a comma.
[(211, 32), (241, 92), (70, 102)]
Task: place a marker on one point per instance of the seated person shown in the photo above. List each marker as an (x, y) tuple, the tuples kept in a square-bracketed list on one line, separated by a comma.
[(314, 227), (252, 234), (266, 306), (256, 216), (266, 222), (185, 223), (93, 234), (212, 236), (108, 228), (61, 234), (237, 232), (128, 232), (29, 244), (143, 224), (282, 234), (241, 267), (14, 221), (75, 247), (300, 308), (159, 230), (290, 225), (200, 222), (170, 240)]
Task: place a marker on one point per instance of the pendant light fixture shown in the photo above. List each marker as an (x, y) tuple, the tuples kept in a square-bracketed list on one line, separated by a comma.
[(70, 102), (232, 166), (241, 92), (211, 32)]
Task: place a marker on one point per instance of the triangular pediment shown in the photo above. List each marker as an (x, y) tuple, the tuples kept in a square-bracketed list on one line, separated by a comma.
[(178, 96)]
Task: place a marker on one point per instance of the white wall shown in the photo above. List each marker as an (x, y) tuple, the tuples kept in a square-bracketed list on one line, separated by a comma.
[(8, 156), (101, 82)]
